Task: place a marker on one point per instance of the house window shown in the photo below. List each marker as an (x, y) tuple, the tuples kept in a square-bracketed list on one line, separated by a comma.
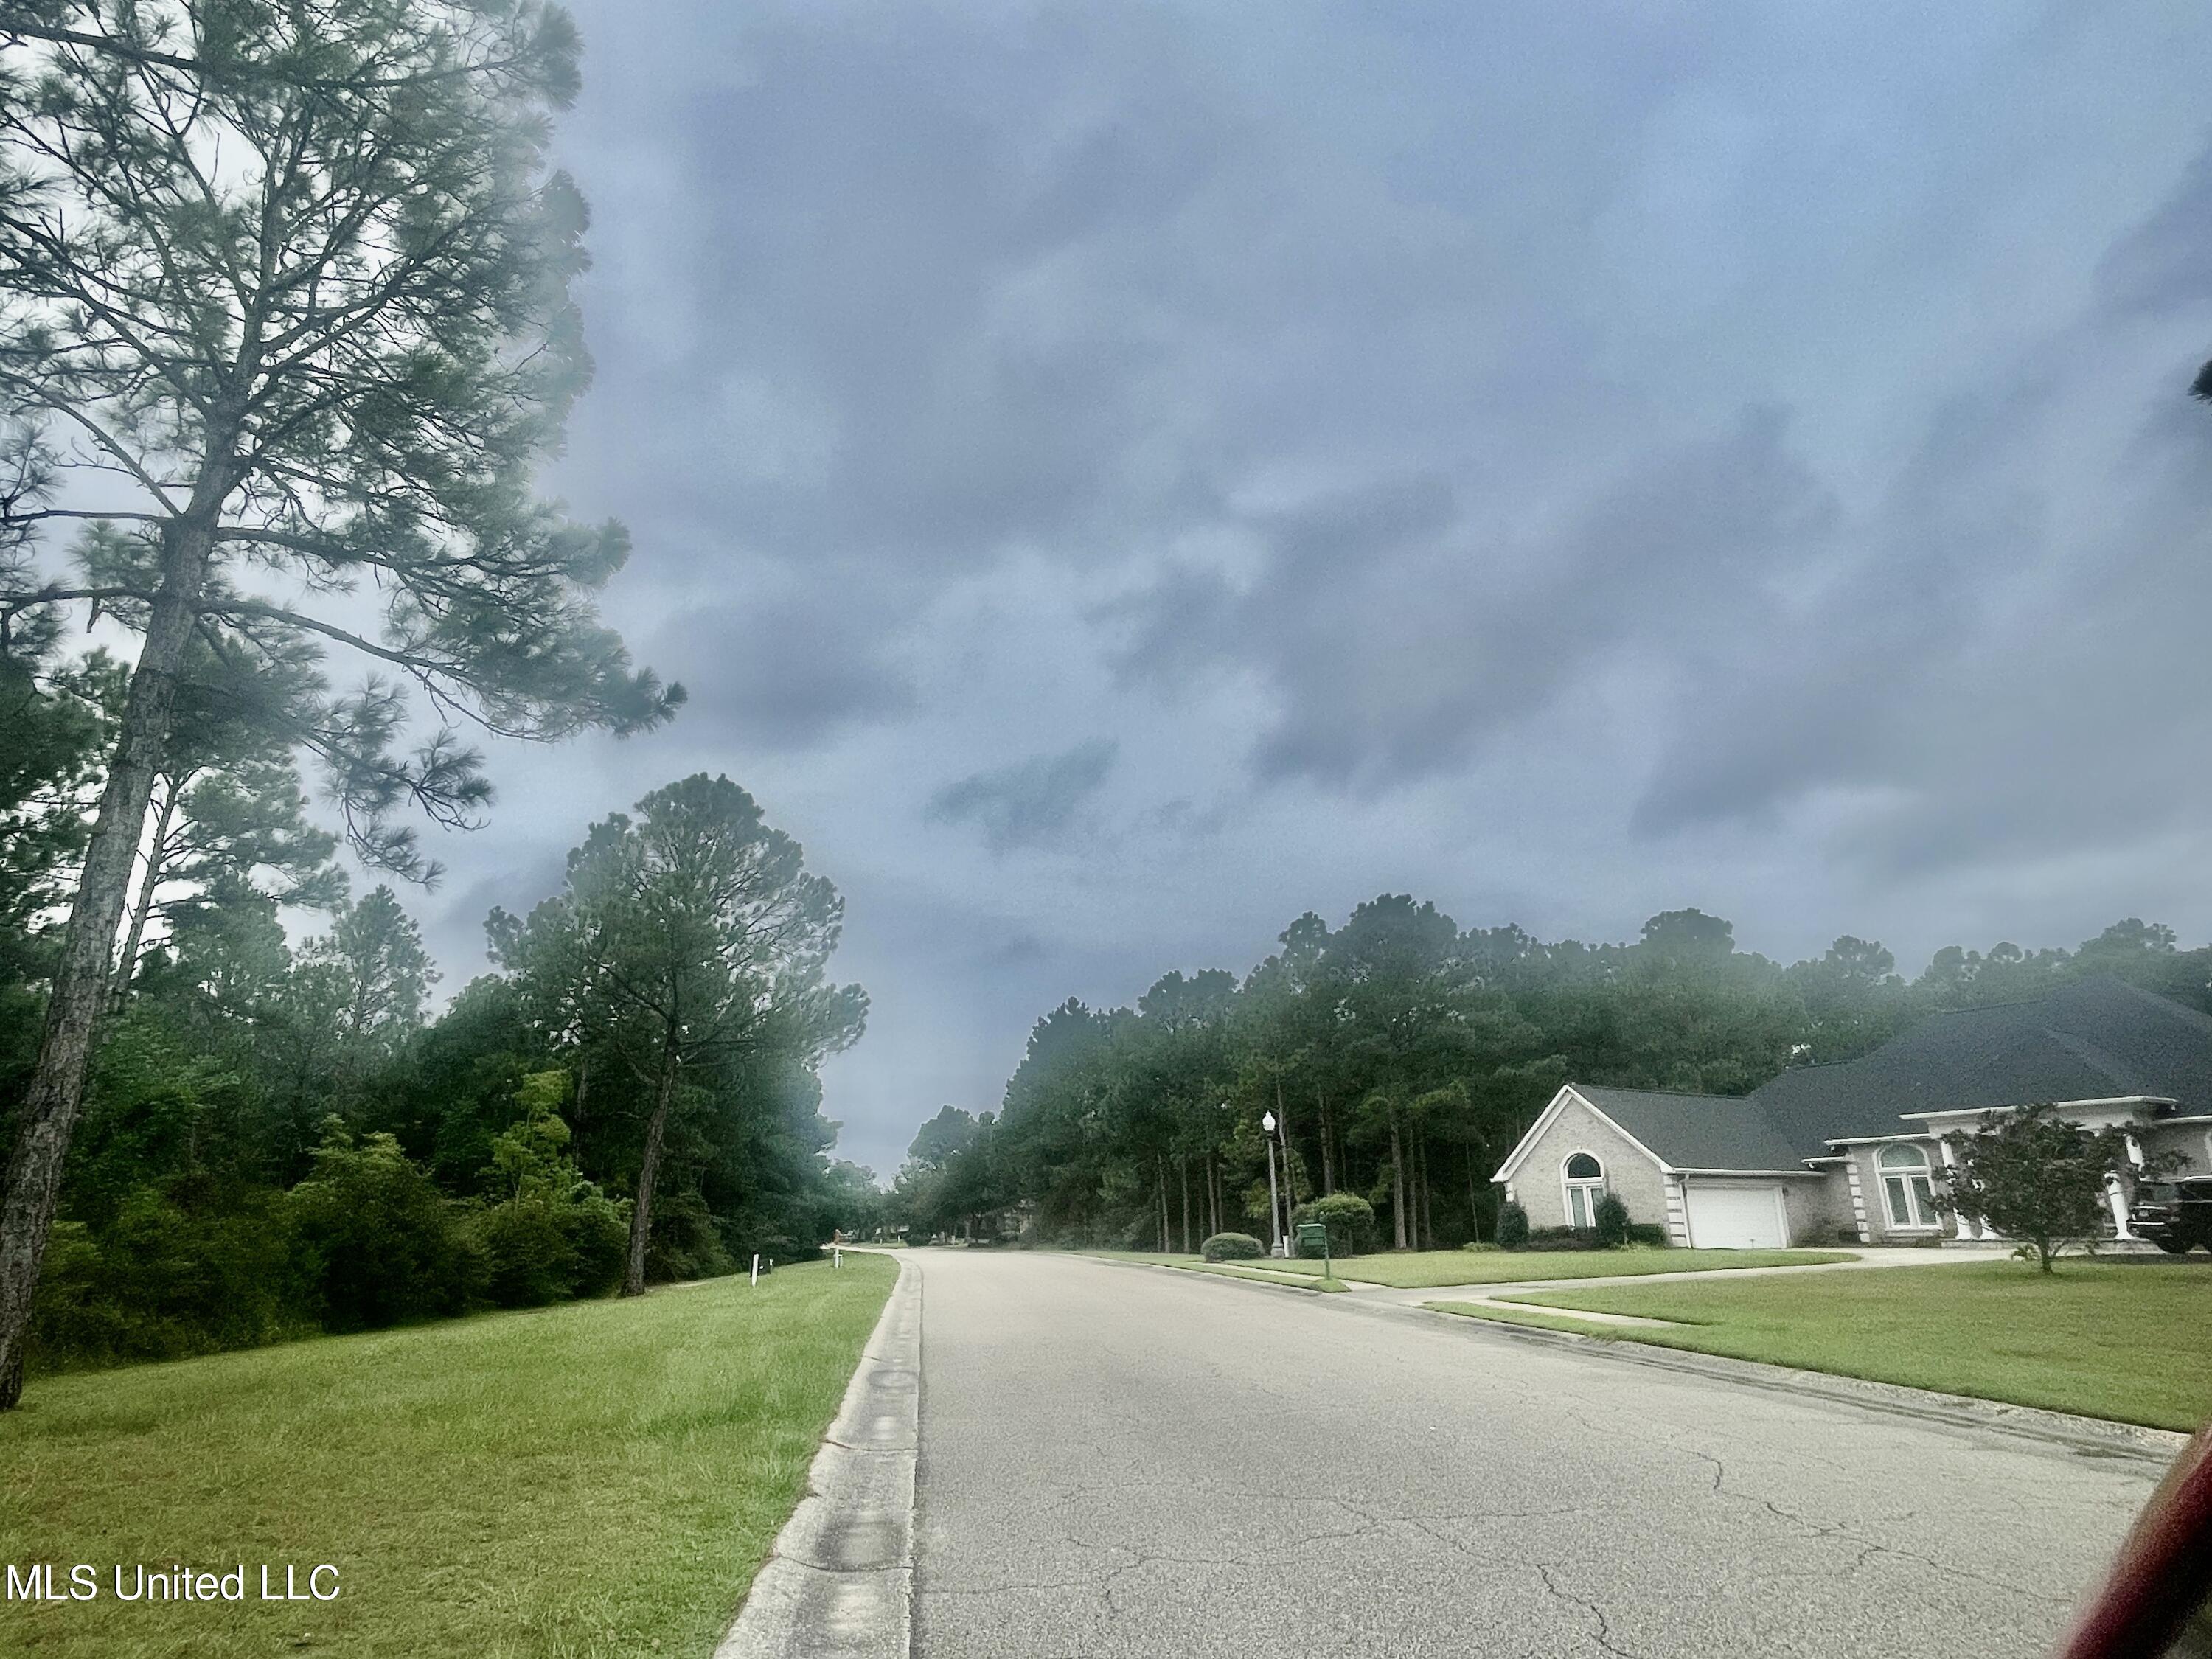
[(1585, 1179), (1906, 1187)]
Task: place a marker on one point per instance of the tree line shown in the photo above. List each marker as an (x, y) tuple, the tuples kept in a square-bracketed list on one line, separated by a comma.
[(1403, 1057), (279, 1137), (287, 338)]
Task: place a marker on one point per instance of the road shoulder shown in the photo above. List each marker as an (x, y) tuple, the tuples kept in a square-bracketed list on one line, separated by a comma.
[(839, 1580)]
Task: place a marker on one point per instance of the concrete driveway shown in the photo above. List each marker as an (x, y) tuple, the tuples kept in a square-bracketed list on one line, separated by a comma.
[(1116, 1461)]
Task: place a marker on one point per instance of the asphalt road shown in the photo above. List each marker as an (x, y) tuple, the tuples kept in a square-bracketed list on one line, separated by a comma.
[(1122, 1462)]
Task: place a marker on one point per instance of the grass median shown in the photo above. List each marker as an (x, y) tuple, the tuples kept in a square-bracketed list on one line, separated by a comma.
[(1416, 1270), (597, 1479), (2126, 1340)]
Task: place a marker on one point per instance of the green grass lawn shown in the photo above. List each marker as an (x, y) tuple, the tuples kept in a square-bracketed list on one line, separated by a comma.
[(598, 1478), (2126, 1340), (1425, 1269)]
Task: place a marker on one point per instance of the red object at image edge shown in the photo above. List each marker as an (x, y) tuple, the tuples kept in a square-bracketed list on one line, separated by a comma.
[(2164, 1571)]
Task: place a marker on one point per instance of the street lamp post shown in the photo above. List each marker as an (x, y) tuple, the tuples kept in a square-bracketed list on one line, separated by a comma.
[(1274, 1206)]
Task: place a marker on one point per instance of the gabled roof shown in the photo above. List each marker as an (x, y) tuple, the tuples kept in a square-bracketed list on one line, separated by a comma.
[(2094, 1039), (1695, 1132)]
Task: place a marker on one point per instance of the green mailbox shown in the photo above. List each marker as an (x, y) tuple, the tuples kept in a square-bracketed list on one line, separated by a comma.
[(1313, 1240)]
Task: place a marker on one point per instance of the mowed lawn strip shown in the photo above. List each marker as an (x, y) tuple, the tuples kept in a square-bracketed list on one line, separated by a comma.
[(2131, 1341), (1426, 1269), (597, 1479)]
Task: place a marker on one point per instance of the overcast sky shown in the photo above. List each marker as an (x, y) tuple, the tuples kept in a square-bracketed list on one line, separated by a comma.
[(1114, 479)]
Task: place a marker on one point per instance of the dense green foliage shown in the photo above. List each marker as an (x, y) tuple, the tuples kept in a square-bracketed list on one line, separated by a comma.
[(278, 1138), (1349, 1218), (1232, 1246), (286, 340), (1403, 1056)]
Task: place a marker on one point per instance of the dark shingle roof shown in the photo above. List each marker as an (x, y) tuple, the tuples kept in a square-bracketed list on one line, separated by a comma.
[(1696, 1131), (2091, 1039)]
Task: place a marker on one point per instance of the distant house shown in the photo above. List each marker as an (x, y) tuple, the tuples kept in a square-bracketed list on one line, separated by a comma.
[(1829, 1153)]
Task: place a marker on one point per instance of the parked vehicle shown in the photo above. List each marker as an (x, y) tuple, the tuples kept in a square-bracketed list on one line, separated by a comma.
[(2174, 1215)]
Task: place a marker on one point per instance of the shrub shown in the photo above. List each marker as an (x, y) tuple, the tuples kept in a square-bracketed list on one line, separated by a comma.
[(1349, 1218), (171, 1274), (385, 1244), (1611, 1228), (527, 1262), (1648, 1232), (1512, 1227), (598, 1231), (1232, 1246), (555, 1234), (539, 1248)]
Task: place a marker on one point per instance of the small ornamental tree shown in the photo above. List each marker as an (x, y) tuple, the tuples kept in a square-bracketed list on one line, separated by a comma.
[(1512, 1227), (2032, 1175), (1612, 1222)]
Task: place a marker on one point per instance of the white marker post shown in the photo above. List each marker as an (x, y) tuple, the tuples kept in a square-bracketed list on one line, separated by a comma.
[(837, 1257), (756, 1270)]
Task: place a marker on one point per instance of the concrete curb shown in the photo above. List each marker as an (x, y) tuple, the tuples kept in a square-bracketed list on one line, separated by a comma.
[(2093, 1437), (1231, 1279), (839, 1583)]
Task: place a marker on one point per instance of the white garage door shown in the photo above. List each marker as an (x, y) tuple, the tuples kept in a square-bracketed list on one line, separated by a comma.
[(1736, 1218)]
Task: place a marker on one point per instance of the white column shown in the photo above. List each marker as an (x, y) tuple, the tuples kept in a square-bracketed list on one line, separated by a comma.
[(2116, 1196)]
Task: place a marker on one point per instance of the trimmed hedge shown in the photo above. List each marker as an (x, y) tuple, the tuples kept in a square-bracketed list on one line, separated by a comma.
[(1512, 1227), (1349, 1218), (1232, 1246), (1586, 1238)]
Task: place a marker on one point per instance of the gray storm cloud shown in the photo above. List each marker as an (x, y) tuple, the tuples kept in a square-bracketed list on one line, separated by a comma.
[(1114, 478), (1030, 801)]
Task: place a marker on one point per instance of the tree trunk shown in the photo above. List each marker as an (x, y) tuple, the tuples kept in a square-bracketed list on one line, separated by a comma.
[(1160, 1168), (1428, 1198), (127, 964), (1214, 1194), (1413, 1188), (1474, 1209), (55, 1093), (649, 1171), (1283, 1126), (583, 1085), (1397, 1182), (1183, 1165), (1328, 1153)]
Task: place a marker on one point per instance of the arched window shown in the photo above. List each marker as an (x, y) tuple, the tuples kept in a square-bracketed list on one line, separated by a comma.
[(1905, 1187), (1584, 1177)]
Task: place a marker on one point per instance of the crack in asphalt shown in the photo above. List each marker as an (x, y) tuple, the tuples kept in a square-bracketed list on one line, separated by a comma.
[(1169, 1486), (1604, 1624), (1867, 1548)]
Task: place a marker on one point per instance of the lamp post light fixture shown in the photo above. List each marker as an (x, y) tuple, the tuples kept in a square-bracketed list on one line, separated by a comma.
[(1274, 1206)]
